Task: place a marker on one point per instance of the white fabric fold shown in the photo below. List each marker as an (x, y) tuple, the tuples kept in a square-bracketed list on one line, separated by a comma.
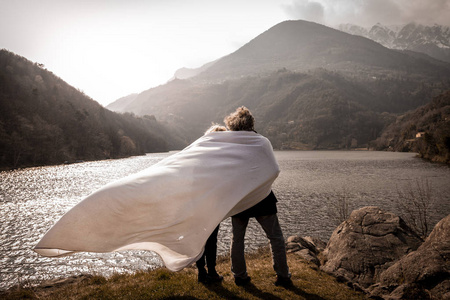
[(172, 207)]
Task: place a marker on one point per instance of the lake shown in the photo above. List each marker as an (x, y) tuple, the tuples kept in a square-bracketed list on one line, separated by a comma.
[(33, 199)]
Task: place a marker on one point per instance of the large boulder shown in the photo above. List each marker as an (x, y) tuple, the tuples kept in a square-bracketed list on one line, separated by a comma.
[(424, 273), (367, 243)]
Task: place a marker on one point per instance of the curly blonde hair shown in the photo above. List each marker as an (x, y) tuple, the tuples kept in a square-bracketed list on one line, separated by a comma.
[(216, 127), (240, 120)]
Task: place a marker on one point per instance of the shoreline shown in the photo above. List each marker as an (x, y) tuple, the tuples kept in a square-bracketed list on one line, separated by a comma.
[(309, 282)]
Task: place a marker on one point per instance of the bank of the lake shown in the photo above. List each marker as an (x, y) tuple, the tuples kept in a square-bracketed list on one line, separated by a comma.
[(33, 199), (308, 283)]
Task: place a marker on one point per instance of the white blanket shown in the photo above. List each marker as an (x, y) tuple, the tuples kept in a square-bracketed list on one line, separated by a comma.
[(172, 207)]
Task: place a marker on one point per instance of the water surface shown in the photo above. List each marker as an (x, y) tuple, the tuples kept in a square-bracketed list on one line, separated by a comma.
[(33, 199)]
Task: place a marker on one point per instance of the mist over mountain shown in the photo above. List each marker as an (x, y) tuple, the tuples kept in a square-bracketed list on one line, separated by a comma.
[(121, 103), (431, 40), (44, 121), (308, 85), (185, 73)]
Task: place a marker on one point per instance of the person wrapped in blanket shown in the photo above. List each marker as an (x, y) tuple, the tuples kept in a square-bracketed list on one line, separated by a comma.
[(265, 213), (209, 255)]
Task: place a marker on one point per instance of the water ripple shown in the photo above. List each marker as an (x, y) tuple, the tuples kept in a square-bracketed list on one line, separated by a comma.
[(33, 199)]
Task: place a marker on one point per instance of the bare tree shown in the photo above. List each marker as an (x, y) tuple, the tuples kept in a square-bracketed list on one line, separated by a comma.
[(414, 205), (339, 206)]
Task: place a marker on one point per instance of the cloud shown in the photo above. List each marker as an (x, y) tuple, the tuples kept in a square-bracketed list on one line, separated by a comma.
[(369, 12), (427, 12), (305, 10)]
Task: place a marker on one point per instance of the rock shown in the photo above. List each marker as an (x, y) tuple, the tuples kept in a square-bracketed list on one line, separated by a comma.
[(309, 256), (425, 271), (318, 244), (58, 282), (306, 247), (292, 247), (408, 291), (302, 243), (366, 244)]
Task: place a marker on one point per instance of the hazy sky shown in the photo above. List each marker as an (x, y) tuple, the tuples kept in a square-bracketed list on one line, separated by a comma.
[(112, 48)]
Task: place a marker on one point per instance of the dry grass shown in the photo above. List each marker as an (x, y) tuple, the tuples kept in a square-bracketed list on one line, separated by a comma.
[(309, 283)]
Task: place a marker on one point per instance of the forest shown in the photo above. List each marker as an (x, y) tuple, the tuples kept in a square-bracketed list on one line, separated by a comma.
[(45, 121), (425, 130), (317, 109)]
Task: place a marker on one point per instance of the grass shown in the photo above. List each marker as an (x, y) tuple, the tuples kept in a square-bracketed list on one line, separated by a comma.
[(309, 283)]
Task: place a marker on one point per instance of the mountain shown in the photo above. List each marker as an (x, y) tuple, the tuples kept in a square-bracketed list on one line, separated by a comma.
[(308, 85), (45, 121), (425, 130), (121, 103), (431, 40), (300, 46), (185, 73)]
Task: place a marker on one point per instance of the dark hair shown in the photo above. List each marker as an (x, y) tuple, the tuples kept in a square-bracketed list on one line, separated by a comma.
[(240, 120)]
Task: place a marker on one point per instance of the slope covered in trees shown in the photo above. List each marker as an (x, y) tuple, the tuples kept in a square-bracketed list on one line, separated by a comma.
[(43, 121), (425, 130), (318, 109), (309, 86)]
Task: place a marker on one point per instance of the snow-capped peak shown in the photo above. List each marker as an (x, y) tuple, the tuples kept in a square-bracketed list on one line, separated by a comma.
[(433, 40)]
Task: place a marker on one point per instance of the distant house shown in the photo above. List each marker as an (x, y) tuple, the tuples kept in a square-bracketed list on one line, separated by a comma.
[(420, 134)]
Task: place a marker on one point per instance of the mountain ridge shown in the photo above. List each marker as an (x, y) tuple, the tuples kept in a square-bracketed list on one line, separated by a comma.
[(432, 40), (302, 45), (46, 121), (350, 87)]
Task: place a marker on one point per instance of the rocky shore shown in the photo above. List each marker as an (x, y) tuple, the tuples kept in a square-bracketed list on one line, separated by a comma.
[(375, 252)]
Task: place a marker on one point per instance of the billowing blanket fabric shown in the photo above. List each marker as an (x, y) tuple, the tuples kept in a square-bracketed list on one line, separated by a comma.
[(172, 207)]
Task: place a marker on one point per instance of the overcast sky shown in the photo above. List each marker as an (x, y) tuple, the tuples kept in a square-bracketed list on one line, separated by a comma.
[(112, 48)]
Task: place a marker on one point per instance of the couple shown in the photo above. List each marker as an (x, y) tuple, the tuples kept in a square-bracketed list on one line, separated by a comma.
[(265, 213), (173, 206)]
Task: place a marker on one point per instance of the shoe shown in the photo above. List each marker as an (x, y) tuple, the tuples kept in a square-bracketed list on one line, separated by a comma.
[(284, 282), (214, 278), (242, 281)]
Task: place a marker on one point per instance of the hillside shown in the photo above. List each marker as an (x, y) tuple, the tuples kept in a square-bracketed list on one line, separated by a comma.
[(309, 86), (44, 121), (301, 45), (425, 130), (185, 73), (122, 102)]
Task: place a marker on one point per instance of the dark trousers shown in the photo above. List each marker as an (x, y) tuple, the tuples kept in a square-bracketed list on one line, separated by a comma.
[(209, 256), (272, 228)]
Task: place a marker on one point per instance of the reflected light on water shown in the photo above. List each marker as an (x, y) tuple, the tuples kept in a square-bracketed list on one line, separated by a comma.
[(33, 199)]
